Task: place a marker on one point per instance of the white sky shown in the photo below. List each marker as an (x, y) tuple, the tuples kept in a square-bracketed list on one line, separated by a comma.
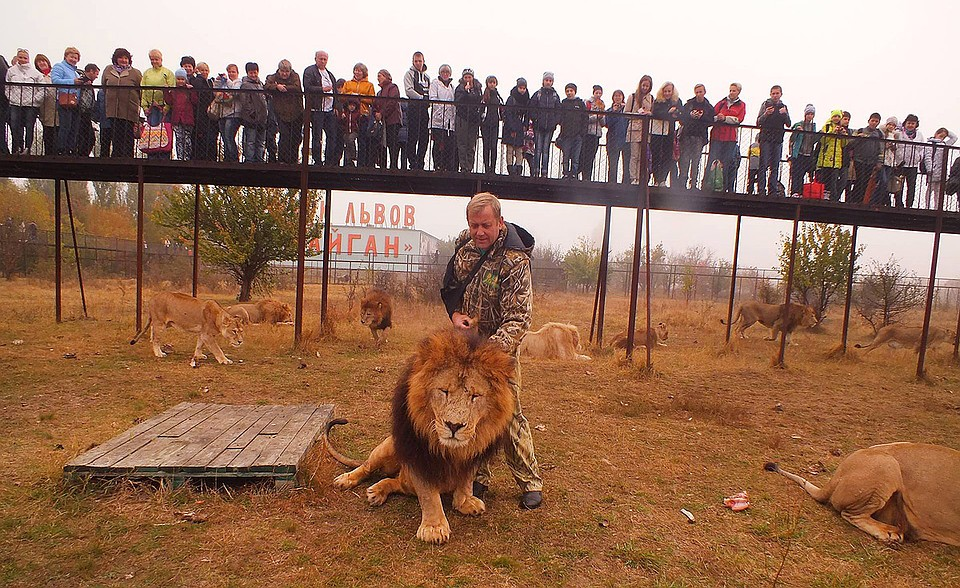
[(860, 55)]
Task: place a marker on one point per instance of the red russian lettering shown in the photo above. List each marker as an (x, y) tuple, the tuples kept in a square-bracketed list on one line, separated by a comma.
[(335, 240), (351, 217), (371, 246), (350, 239), (378, 210), (408, 216), (364, 215), (394, 216), (388, 246)]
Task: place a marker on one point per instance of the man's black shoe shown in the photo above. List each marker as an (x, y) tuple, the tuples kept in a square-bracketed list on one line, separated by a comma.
[(529, 500), (479, 490)]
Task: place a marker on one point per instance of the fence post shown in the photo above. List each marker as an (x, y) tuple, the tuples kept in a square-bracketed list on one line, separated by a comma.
[(649, 347), (921, 356), (846, 305), (139, 246), (599, 302), (325, 270), (733, 277), (642, 184), (196, 238), (58, 294), (786, 308)]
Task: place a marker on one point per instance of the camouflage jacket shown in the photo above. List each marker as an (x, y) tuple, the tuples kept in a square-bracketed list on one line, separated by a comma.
[(501, 293)]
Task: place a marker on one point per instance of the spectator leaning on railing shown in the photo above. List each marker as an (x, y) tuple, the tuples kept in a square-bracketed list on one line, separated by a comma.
[(287, 100), (317, 80), (728, 114), (773, 119), (695, 119)]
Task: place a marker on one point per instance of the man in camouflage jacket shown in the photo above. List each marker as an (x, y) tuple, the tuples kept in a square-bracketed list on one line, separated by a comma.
[(499, 302)]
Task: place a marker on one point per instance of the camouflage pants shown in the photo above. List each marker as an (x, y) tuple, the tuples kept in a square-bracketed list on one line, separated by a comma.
[(518, 450)]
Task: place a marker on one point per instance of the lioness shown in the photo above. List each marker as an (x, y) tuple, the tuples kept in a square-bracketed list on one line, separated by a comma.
[(552, 341), (897, 336), (268, 311), (895, 491), (452, 409), (376, 311), (641, 338), (173, 309), (770, 316)]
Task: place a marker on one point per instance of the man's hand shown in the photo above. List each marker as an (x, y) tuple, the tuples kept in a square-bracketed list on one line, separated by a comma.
[(462, 321)]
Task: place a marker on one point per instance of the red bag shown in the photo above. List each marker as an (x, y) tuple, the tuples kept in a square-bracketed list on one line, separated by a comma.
[(813, 190), (158, 139)]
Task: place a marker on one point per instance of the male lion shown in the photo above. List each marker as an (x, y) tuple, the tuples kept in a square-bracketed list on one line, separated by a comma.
[(268, 311), (771, 316), (552, 341), (452, 409), (376, 311), (173, 309), (897, 336), (895, 491), (641, 338)]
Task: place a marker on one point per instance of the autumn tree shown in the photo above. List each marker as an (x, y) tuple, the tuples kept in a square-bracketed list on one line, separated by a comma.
[(581, 263), (822, 262), (243, 230), (887, 292)]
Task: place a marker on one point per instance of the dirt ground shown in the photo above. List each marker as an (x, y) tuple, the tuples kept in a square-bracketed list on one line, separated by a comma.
[(622, 451)]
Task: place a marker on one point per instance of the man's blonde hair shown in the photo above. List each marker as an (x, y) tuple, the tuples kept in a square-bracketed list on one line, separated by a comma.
[(481, 201)]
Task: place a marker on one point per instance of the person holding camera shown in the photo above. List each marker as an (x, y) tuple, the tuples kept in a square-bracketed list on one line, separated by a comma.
[(773, 120)]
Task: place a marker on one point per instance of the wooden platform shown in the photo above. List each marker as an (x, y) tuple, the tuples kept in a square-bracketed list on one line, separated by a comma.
[(198, 440)]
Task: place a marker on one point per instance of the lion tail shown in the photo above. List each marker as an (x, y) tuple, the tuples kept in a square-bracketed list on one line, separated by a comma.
[(818, 494), (343, 459), (140, 333), (735, 319)]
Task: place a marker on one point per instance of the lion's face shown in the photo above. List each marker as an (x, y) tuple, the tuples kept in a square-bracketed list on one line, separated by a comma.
[(809, 317), (370, 315), (662, 332), (284, 313), (232, 329), (459, 394)]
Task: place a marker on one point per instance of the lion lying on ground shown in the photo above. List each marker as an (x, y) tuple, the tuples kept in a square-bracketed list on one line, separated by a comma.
[(895, 491), (173, 309), (770, 316), (268, 311), (897, 336), (451, 411), (641, 338), (552, 341), (376, 311)]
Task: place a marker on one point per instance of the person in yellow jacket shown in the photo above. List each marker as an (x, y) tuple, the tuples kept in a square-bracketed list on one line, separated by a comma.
[(157, 76), (361, 86), (830, 160)]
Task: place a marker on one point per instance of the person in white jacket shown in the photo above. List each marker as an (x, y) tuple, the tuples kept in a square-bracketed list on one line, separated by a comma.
[(909, 158), (933, 162), (25, 101), (442, 120)]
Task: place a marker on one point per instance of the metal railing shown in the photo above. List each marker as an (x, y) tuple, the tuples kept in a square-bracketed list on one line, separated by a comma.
[(454, 137)]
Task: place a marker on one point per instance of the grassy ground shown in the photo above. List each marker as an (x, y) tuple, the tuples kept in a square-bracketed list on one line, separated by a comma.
[(621, 450)]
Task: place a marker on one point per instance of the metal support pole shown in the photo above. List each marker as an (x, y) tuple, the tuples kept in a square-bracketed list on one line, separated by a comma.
[(139, 246), (76, 249), (302, 223), (733, 277), (921, 356), (58, 262), (786, 307), (325, 271), (599, 302), (956, 341), (846, 305), (642, 182), (649, 347), (196, 238)]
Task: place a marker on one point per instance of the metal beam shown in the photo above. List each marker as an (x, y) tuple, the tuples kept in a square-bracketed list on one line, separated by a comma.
[(931, 284), (733, 277), (196, 238), (600, 301), (58, 262), (846, 304), (139, 247), (643, 186), (790, 268), (647, 345), (76, 249), (325, 272)]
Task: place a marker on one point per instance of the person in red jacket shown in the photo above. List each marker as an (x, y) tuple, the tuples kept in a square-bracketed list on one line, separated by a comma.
[(183, 104), (729, 113)]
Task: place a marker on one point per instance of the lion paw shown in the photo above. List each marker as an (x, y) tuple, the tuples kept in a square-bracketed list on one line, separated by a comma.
[(376, 496), (471, 506), (436, 534), (194, 363), (344, 482), (226, 361)]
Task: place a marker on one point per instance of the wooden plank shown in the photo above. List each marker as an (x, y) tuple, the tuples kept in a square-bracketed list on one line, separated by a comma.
[(251, 433), (132, 445), (99, 450), (200, 437), (278, 423), (153, 454), (311, 431), (185, 426), (248, 420), (269, 456), (251, 452)]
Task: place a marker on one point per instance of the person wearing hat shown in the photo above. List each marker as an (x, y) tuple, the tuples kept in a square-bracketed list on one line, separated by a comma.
[(803, 142), (515, 119), (830, 160), (467, 97), (544, 112), (183, 105)]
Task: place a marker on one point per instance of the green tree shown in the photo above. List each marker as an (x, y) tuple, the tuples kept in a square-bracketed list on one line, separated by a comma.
[(581, 263), (886, 292), (823, 258), (242, 229)]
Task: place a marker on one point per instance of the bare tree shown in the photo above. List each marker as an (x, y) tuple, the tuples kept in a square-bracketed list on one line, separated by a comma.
[(887, 292)]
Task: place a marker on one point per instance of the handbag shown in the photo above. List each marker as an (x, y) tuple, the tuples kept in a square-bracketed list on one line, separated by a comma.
[(67, 100), (896, 184), (215, 110), (156, 139), (713, 180)]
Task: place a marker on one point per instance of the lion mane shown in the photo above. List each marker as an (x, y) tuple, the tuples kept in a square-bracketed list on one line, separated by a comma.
[(451, 411), (552, 341), (776, 317), (376, 312), (267, 311)]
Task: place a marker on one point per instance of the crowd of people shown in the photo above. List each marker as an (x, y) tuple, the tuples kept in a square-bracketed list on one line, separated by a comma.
[(692, 144)]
